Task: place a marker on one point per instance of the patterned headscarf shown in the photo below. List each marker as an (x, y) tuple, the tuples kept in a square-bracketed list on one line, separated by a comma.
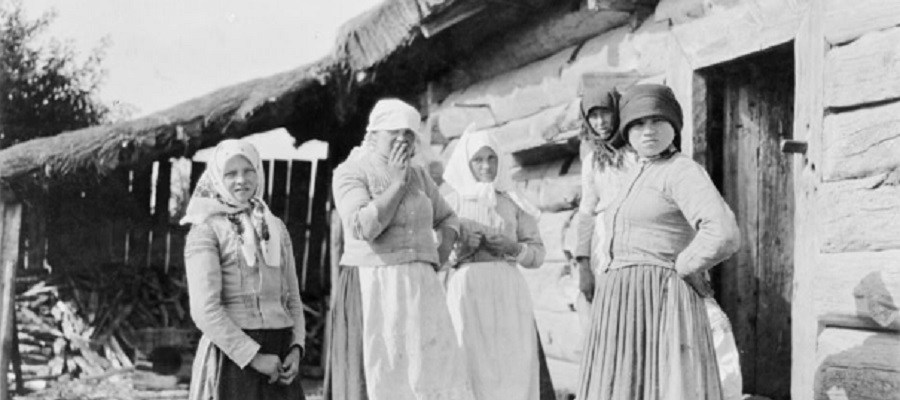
[(459, 175), (258, 230)]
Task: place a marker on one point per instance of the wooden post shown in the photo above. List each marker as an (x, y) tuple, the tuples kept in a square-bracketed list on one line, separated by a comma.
[(10, 224)]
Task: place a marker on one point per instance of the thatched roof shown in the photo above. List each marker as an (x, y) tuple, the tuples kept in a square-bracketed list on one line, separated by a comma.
[(382, 52)]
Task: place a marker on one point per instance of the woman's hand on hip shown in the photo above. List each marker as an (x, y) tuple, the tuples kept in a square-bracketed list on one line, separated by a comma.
[(586, 280), (268, 365), (290, 368)]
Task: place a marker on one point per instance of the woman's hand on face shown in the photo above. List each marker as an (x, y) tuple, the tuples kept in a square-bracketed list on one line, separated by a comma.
[(290, 368), (501, 245), (268, 365), (398, 163)]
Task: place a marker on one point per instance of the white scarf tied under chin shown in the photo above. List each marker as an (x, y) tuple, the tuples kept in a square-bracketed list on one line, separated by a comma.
[(259, 230), (459, 175)]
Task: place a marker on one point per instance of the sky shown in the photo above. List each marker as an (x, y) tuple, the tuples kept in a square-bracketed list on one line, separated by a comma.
[(163, 52)]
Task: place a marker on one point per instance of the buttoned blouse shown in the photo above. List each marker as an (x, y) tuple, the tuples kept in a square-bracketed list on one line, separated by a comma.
[(599, 187), (408, 237), (228, 296), (669, 213)]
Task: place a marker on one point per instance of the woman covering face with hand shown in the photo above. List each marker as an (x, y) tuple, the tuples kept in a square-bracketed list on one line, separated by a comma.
[(398, 328), (487, 295), (242, 283), (650, 337)]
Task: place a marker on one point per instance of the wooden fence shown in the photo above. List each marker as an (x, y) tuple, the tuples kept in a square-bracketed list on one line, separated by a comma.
[(128, 220)]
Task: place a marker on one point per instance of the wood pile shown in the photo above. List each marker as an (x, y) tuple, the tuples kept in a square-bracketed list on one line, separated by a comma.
[(82, 326)]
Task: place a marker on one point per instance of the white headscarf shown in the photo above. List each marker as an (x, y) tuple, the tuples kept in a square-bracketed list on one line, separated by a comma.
[(393, 114), (459, 175), (260, 230)]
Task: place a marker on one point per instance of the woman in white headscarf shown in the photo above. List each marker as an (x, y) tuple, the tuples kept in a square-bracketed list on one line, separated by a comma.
[(487, 295), (242, 283), (398, 326)]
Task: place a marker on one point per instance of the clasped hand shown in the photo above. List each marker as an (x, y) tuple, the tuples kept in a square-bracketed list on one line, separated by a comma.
[(283, 372), (495, 244)]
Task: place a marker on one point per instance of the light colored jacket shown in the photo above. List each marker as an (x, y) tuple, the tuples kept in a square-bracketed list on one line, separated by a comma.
[(669, 213), (227, 296), (409, 236)]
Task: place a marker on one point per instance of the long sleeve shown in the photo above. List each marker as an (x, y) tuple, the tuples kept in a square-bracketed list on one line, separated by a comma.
[(354, 204), (294, 303), (204, 278), (585, 217), (717, 236), (528, 234)]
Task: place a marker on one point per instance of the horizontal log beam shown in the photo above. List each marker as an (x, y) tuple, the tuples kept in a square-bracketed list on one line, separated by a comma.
[(861, 142), (848, 20), (742, 29), (861, 214), (864, 71)]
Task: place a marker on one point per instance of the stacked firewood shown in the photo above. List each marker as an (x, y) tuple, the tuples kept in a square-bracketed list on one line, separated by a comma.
[(54, 340), (88, 326)]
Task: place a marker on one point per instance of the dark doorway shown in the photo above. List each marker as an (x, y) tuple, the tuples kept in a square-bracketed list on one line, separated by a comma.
[(749, 110)]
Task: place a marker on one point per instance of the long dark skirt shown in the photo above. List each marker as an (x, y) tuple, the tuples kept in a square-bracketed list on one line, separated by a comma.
[(649, 339), (344, 375), (248, 384)]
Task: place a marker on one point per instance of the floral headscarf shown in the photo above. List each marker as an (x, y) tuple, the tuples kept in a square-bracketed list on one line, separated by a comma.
[(258, 230)]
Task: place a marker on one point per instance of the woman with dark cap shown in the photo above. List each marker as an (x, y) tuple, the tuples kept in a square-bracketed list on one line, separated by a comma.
[(604, 162), (650, 337)]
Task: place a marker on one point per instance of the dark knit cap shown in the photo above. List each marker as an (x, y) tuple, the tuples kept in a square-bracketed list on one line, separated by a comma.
[(649, 100)]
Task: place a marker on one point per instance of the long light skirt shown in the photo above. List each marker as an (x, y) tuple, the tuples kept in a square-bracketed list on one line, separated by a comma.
[(494, 321), (409, 350), (649, 339)]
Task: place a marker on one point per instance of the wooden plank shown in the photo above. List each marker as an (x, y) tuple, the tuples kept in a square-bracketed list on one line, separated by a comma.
[(117, 226), (159, 247), (315, 282), (809, 51), (10, 228), (267, 170), (744, 29), (197, 169), (858, 364), (864, 71), (860, 284), (848, 20), (738, 275), (861, 214), (35, 230), (298, 210), (775, 241), (140, 222), (809, 56), (861, 143), (279, 178)]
